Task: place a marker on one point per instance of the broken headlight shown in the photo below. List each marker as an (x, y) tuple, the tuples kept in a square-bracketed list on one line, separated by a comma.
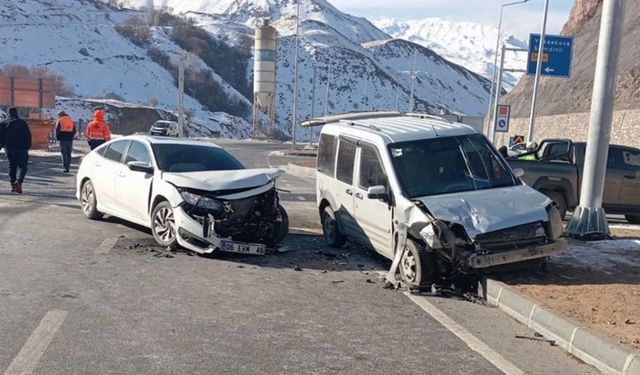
[(201, 201)]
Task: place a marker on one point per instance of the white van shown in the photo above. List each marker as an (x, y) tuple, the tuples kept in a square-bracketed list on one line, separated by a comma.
[(434, 190), (165, 128)]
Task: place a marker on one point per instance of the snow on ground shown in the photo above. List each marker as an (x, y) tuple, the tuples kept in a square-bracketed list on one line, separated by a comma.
[(606, 256)]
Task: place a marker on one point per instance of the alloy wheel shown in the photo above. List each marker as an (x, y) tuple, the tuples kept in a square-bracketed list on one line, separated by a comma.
[(164, 224)]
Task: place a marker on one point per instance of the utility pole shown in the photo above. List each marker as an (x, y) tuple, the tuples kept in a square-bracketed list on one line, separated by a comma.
[(589, 219), (492, 126), (366, 87), (181, 96), (313, 102), (397, 96), (294, 115), (413, 78), (536, 80), (326, 98)]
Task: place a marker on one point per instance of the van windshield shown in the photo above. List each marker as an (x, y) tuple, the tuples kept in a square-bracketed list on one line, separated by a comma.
[(162, 125), (449, 165)]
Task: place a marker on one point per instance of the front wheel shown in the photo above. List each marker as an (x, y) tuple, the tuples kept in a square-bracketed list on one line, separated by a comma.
[(88, 201), (163, 225), (633, 219), (417, 266), (284, 224)]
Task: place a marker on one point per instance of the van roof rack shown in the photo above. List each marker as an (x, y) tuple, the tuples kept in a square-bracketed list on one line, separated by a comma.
[(360, 124), (427, 116), (348, 116)]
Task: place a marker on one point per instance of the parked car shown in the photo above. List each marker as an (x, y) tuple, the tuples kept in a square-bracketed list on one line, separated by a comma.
[(557, 169), (189, 193), (437, 189), (165, 128)]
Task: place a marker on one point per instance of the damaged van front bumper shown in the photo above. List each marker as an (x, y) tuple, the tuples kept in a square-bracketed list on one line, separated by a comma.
[(480, 261)]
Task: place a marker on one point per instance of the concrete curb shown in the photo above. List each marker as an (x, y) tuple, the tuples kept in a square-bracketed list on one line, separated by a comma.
[(592, 348), (301, 171)]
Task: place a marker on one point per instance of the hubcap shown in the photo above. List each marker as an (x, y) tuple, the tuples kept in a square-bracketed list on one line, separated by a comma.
[(87, 198), (409, 266), (164, 225)]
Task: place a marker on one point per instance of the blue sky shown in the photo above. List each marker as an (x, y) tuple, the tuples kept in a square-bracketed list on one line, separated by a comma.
[(519, 19)]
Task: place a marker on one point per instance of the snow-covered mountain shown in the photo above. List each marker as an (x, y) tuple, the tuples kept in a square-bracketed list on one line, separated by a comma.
[(471, 45), (364, 67)]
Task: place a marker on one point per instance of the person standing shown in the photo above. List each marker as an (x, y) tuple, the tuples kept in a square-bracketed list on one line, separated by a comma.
[(15, 137), (65, 131), (98, 131)]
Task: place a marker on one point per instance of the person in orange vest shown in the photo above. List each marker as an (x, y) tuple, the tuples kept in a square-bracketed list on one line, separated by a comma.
[(65, 131), (98, 131)]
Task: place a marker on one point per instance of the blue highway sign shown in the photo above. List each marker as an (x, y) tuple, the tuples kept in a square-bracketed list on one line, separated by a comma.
[(556, 58)]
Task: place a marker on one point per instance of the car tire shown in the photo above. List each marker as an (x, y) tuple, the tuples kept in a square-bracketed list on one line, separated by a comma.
[(417, 266), (633, 219), (284, 226), (89, 202), (163, 225), (330, 230), (560, 201)]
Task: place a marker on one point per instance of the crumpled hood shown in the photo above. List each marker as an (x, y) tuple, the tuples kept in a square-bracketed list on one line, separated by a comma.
[(223, 180), (485, 211)]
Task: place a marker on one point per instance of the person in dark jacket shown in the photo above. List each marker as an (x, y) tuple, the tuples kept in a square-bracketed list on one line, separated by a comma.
[(65, 131), (15, 138)]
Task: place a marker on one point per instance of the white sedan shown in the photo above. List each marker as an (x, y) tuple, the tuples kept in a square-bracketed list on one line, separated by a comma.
[(189, 193)]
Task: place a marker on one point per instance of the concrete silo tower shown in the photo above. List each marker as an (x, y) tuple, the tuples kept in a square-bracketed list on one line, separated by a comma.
[(264, 78)]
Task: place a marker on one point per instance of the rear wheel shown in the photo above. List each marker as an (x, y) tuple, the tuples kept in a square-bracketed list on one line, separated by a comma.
[(330, 229), (89, 202), (633, 219), (163, 225), (417, 266), (560, 201)]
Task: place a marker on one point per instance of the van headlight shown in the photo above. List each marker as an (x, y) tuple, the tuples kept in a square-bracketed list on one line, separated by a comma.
[(556, 227), (201, 201)]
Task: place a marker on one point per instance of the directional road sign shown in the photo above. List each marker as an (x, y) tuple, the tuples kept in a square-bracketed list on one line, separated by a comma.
[(556, 58), (502, 119)]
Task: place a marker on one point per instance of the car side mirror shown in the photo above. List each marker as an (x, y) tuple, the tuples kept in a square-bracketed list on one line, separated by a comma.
[(140, 166), (519, 172), (378, 192)]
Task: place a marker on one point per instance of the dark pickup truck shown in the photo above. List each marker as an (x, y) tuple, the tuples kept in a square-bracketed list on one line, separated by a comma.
[(556, 171)]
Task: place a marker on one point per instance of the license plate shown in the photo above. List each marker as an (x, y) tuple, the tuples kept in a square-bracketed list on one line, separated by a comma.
[(242, 248)]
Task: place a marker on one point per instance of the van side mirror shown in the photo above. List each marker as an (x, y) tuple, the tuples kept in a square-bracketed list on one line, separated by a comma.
[(139, 166), (378, 192)]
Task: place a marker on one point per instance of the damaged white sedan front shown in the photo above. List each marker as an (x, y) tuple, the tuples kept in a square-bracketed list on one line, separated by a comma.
[(190, 194)]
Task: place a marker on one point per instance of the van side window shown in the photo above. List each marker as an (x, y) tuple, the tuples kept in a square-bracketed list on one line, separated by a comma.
[(631, 159), (346, 157), (327, 154), (371, 172)]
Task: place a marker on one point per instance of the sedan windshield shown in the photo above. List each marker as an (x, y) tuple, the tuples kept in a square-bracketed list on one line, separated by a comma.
[(193, 158), (448, 165)]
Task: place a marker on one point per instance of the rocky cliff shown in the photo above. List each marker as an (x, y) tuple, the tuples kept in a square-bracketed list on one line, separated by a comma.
[(557, 95)]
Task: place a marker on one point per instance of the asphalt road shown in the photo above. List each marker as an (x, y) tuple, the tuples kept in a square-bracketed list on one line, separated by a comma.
[(80, 296)]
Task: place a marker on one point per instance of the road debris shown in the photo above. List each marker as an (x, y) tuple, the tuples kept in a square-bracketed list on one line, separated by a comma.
[(297, 268), (337, 281), (537, 337)]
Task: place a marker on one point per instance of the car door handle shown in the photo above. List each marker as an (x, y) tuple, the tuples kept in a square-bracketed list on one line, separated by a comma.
[(97, 164), (359, 195), (349, 192), (121, 174)]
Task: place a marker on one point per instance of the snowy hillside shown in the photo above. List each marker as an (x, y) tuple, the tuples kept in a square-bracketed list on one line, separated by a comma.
[(77, 38), (363, 67), (471, 45)]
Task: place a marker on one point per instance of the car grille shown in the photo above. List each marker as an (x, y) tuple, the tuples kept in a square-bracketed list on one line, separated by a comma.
[(519, 237)]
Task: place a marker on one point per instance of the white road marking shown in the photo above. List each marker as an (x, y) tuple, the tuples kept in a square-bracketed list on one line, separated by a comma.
[(25, 362), (301, 198), (472, 342), (106, 246)]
